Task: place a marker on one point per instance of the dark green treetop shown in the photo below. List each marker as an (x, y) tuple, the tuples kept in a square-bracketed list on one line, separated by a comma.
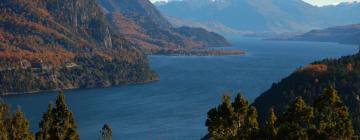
[(332, 117), (106, 132)]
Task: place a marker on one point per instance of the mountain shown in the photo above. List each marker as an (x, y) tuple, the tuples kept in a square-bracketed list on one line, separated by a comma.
[(145, 26), (64, 44), (347, 34), (346, 12), (309, 81), (256, 16)]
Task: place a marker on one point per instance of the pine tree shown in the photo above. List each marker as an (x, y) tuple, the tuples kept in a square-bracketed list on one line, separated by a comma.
[(3, 130), (250, 128), (220, 120), (19, 127), (106, 133), (4, 117), (296, 121), (45, 125), (332, 117), (241, 107), (58, 123), (269, 131)]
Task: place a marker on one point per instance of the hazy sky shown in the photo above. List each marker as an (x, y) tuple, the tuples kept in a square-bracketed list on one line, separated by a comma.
[(314, 2)]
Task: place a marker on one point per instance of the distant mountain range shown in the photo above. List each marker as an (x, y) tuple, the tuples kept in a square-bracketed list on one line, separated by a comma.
[(145, 26), (347, 34), (258, 16)]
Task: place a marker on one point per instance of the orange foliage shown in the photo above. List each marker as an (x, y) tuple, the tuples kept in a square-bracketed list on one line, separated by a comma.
[(54, 57), (350, 67), (314, 68)]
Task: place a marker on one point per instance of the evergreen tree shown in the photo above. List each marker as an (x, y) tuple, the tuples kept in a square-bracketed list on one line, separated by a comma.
[(220, 121), (106, 133), (58, 123), (241, 107), (4, 117), (3, 130), (45, 125), (296, 121), (269, 131), (19, 127), (332, 117), (250, 128)]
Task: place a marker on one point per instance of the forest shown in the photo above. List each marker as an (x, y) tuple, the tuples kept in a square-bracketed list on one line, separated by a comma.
[(327, 118), (57, 123), (308, 82)]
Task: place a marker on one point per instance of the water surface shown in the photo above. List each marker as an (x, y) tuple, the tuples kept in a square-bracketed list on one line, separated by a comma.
[(175, 107)]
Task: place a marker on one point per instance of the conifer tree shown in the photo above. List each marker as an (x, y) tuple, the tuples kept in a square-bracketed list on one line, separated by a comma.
[(3, 130), (19, 127), (106, 132), (250, 128), (220, 120), (296, 121), (58, 123), (45, 125), (332, 117), (4, 117), (269, 131), (241, 107)]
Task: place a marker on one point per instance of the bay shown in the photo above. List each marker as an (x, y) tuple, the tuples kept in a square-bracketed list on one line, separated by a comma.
[(175, 107)]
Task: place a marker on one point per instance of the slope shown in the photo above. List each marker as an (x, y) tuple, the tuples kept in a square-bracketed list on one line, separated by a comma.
[(63, 44)]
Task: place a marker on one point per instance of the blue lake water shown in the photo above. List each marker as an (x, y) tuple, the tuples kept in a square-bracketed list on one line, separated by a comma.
[(175, 107)]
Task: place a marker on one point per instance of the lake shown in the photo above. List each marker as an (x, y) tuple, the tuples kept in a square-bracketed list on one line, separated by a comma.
[(175, 107)]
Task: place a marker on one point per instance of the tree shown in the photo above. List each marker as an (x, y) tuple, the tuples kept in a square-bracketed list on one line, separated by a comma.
[(4, 118), (45, 125), (241, 107), (269, 131), (220, 121), (296, 121), (250, 128), (19, 127), (332, 117), (58, 123), (106, 132)]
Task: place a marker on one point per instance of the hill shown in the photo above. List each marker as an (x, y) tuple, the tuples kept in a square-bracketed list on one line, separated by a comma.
[(347, 34), (308, 82), (145, 26), (63, 44)]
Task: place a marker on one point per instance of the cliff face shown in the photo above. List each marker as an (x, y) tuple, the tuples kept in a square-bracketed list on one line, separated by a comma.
[(151, 30), (61, 44), (309, 81)]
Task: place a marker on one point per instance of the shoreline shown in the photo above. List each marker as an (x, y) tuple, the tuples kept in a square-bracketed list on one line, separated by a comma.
[(76, 88), (197, 52)]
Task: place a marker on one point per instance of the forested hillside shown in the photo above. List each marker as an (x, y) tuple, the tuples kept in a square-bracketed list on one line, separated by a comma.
[(327, 118), (308, 82), (63, 44)]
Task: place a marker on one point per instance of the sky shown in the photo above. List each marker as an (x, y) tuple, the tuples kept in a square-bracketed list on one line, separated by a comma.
[(313, 2)]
